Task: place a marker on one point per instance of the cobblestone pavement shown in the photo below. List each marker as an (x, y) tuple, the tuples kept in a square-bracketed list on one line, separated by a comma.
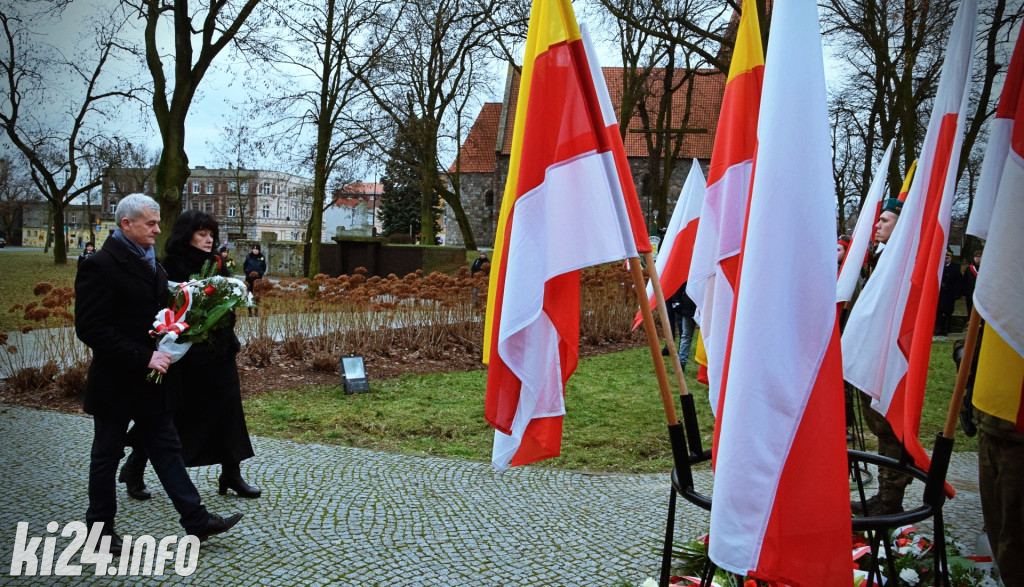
[(334, 515)]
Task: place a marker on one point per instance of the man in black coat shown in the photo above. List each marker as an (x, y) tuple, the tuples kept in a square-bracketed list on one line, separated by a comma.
[(118, 292), (949, 291)]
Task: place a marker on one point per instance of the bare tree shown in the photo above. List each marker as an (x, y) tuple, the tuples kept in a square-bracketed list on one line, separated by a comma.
[(666, 47), (130, 166), (322, 94), (432, 59), (997, 23), (15, 192), (238, 149), (54, 135), (200, 34)]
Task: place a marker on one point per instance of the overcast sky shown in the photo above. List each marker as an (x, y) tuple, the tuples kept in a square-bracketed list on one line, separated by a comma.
[(230, 84)]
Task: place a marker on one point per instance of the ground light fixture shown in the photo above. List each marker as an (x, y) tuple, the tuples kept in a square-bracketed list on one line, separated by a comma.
[(353, 374)]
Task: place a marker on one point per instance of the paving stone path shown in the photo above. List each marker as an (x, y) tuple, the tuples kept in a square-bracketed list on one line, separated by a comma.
[(334, 515)]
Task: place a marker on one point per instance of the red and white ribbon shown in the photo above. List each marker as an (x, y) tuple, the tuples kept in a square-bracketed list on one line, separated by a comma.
[(172, 319)]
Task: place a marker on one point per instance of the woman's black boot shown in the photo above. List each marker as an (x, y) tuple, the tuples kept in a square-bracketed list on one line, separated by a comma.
[(131, 475), (231, 478)]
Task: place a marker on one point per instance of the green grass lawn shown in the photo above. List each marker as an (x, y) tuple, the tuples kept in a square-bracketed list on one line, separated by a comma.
[(20, 271), (614, 423)]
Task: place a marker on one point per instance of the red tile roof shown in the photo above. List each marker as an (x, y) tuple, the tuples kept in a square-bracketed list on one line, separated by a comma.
[(359, 187), (478, 152), (354, 193)]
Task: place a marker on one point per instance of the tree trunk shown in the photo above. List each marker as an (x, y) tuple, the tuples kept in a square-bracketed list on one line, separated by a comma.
[(60, 244), (171, 176), (455, 202)]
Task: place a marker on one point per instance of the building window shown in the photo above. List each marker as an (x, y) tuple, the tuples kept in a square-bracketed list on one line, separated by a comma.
[(113, 207), (231, 211), (208, 207), (245, 188), (209, 187), (266, 211), (232, 186), (267, 189), (113, 188), (195, 187), (195, 205)]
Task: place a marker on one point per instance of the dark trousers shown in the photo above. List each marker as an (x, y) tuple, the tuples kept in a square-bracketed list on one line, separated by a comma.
[(1000, 478), (892, 485), (164, 449), (942, 319)]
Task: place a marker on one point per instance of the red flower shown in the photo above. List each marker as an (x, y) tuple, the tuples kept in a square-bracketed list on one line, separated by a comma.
[(209, 290), (750, 583)]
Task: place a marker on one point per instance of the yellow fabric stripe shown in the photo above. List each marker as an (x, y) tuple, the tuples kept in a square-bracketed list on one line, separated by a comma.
[(551, 22), (1000, 375), (910, 177), (701, 355), (748, 53)]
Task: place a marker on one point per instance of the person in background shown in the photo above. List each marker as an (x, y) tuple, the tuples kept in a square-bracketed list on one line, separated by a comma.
[(680, 310), (228, 262), (950, 289), (118, 291), (970, 277), (478, 264), (211, 422), (254, 267), (1001, 471), (842, 246), (892, 485), (90, 248)]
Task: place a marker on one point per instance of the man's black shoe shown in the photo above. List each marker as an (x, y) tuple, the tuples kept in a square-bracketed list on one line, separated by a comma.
[(215, 525), (115, 543), (131, 476)]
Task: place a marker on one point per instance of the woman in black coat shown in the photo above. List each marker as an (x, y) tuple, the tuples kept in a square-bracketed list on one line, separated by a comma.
[(211, 422)]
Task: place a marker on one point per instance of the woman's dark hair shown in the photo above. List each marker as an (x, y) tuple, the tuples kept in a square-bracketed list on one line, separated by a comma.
[(188, 224)]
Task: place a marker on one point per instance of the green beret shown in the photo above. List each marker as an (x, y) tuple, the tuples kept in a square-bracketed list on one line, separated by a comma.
[(894, 205)]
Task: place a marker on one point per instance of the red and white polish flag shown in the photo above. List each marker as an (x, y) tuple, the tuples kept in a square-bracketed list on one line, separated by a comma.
[(888, 336), (781, 510), (564, 209), (673, 262)]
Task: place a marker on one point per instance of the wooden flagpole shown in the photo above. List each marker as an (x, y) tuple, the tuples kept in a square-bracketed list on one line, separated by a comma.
[(962, 374), (666, 327), (652, 340)]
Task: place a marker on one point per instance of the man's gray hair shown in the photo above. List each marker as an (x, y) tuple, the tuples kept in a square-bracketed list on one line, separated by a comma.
[(131, 206)]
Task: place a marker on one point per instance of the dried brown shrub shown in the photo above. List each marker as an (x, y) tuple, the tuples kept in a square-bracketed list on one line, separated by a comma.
[(324, 363), (34, 378), (294, 347), (42, 288), (72, 382), (259, 350), (37, 314)]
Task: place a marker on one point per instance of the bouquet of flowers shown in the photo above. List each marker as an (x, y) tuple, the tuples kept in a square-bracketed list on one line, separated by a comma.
[(914, 563), (197, 308), (912, 559)]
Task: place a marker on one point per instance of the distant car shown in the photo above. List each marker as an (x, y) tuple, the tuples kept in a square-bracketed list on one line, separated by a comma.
[(3, 242)]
